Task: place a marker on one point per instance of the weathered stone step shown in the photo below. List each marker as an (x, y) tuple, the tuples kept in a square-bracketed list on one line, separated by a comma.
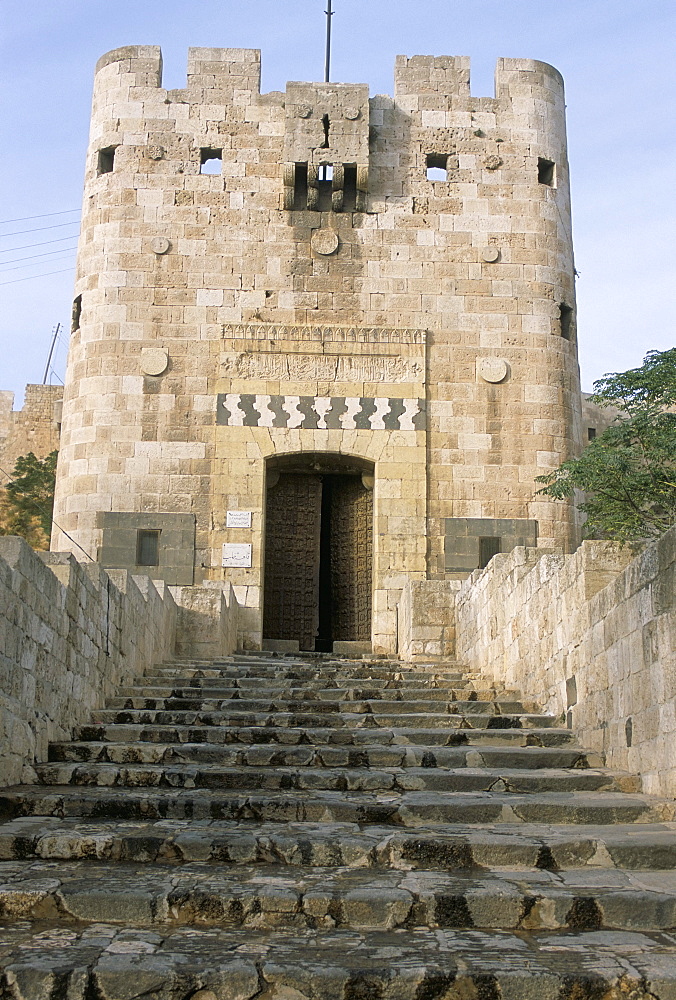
[(293, 735), (445, 847), (266, 704), (109, 962), (246, 676), (209, 894), (307, 755), (336, 695), (279, 668), (406, 809), (320, 716), (359, 778)]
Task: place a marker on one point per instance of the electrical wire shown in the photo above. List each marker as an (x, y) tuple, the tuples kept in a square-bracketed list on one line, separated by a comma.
[(19, 267), (47, 215), (29, 246), (41, 229), (30, 277), (35, 256)]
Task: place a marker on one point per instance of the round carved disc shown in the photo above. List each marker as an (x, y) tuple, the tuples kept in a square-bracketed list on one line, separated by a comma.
[(154, 360), (490, 254), (351, 113), (160, 245), (304, 111), (492, 162), (492, 369), (324, 241)]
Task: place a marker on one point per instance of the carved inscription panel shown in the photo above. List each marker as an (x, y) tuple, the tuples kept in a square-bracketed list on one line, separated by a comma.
[(322, 367)]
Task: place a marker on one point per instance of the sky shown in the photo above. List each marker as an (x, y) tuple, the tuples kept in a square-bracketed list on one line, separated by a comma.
[(617, 58)]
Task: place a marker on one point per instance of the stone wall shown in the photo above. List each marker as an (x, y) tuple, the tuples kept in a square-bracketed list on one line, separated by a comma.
[(588, 636), (36, 427), (426, 619), (70, 636)]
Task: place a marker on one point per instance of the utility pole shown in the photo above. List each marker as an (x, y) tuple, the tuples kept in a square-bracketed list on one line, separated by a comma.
[(327, 63), (51, 351)]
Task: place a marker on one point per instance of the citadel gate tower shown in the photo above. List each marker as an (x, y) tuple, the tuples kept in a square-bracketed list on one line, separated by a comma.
[(322, 342)]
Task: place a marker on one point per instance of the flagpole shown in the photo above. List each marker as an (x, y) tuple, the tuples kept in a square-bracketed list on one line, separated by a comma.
[(327, 64)]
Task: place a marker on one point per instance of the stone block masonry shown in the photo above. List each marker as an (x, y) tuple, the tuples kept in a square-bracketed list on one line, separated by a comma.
[(592, 637), (374, 285), (72, 634)]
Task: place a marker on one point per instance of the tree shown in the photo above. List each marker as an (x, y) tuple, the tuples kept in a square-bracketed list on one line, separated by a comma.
[(28, 500), (628, 473)]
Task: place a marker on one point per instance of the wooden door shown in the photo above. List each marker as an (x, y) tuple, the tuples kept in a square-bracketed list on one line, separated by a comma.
[(351, 559)]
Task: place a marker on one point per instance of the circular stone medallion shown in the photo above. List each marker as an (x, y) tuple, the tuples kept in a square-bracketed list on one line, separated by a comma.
[(154, 360), (492, 162), (324, 241), (351, 114), (490, 254), (160, 245), (492, 369), (303, 110)]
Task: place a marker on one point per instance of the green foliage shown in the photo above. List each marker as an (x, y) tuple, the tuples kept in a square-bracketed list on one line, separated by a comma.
[(628, 473), (28, 499)]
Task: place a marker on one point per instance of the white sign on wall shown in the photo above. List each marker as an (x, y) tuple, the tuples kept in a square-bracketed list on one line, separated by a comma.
[(238, 519), (237, 554)]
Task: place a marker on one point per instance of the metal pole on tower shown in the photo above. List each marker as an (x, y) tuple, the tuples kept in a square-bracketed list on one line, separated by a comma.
[(51, 351), (327, 63)]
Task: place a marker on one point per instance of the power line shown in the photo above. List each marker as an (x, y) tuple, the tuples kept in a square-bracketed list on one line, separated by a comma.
[(46, 215), (29, 246), (41, 229), (20, 267), (30, 277), (48, 253)]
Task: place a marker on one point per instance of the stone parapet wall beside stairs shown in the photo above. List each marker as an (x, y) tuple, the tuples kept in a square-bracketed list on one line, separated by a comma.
[(71, 634), (590, 637)]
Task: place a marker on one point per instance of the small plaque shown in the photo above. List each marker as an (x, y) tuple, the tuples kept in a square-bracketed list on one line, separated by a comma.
[(154, 361), (238, 519), (160, 245), (490, 254), (324, 241), (492, 369), (237, 554)]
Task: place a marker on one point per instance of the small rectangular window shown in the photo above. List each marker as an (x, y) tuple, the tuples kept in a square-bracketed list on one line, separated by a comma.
[(488, 547), (76, 314), (591, 433), (148, 547), (211, 161), (565, 320), (437, 166), (546, 172), (106, 160)]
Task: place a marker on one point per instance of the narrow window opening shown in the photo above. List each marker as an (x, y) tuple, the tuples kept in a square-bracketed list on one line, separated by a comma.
[(488, 547), (300, 188), (546, 172), (327, 128), (148, 547), (350, 188), (437, 167), (591, 433), (76, 314), (211, 161), (326, 172), (106, 160), (566, 320)]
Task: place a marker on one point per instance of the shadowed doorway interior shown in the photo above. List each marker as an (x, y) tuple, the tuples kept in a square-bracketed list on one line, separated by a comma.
[(318, 551)]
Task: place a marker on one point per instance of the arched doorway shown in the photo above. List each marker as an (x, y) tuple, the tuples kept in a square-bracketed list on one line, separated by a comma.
[(318, 550)]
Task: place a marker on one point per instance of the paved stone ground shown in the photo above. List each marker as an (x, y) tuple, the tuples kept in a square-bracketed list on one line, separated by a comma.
[(311, 829)]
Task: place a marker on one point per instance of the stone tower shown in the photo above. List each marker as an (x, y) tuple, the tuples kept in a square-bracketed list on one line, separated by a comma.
[(322, 342)]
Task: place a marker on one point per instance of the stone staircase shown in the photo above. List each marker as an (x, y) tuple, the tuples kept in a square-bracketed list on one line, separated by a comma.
[(307, 828)]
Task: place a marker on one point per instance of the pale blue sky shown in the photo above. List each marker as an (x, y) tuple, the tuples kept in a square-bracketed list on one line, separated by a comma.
[(617, 57)]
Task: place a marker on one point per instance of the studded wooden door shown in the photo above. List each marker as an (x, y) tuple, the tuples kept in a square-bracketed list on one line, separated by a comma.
[(351, 559), (293, 524)]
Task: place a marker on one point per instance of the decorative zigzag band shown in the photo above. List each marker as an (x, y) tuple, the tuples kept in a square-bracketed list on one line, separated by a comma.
[(236, 409)]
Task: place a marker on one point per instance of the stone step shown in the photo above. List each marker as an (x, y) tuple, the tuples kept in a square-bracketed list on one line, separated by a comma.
[(335, 695), (300, 715), (293, 735), (265, 703), (445, 847), (111, 962), (209, 894), (307, 755), (360, 778), (405, 809), (247, 676)]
